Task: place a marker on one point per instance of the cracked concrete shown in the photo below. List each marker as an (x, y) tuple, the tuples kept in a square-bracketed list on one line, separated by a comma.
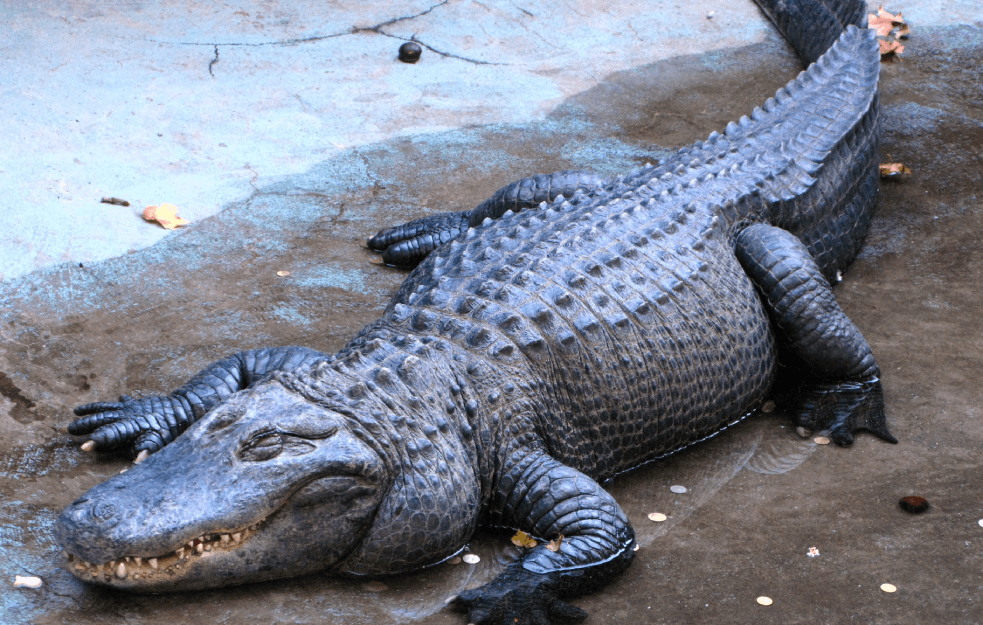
[(248, 155)]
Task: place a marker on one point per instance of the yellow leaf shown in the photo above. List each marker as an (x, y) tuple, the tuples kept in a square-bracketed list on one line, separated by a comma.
[(893, 169), (165, 214), (521, 539)]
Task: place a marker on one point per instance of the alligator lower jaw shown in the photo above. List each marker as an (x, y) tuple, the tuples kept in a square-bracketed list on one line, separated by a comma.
[(143, 572)]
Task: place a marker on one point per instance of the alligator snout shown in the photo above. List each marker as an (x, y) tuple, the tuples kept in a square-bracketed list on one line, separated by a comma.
[(85, 512)]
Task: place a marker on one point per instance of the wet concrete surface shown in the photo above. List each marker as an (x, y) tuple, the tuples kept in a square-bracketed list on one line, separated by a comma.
[(759, 497)]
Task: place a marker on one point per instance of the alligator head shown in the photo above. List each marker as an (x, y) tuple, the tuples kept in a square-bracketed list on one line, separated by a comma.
[(268, 485)]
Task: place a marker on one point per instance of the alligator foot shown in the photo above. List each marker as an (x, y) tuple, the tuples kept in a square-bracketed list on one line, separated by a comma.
[(135, 425), (842, 409), (516, 597), (408, 244)]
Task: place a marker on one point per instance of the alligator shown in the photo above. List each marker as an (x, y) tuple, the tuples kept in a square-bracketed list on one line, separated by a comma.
[(535, 352)]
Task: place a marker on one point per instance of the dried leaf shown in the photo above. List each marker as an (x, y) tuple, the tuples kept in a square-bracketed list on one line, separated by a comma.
[(890, 28), (894, 169), (554, 545), (165, 214), (891, 47), (884, 22), (521, 539)]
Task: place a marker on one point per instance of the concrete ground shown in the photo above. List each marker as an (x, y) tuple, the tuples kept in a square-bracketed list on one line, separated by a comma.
[(288, 134)]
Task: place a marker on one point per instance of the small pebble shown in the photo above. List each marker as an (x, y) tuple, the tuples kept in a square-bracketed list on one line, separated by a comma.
[(914, 504), (455, 560), (821, 440), (658, 517), (679, 490), (889, 588), (765, 600), (27, 582), (471, 558), (410, 52), (980, 522), (768, 406), (813, 552), (283, 274)]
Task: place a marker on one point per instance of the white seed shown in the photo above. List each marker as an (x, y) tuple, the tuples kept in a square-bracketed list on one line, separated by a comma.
[(889, 588), (153, 563), (141, 456), (28, 582), (765, 600), (980, 522), (121, 571), (88, 445), (821, 440), (679, 490), (471, 558), (658, 517)]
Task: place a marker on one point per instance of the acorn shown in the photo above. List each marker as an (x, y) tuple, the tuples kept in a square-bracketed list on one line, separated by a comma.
[(913, 504), (410, 52)]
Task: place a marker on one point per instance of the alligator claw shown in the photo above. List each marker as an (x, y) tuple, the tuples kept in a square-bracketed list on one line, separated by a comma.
[(516, 597), (408, 244), (843, 409), (133, 424)]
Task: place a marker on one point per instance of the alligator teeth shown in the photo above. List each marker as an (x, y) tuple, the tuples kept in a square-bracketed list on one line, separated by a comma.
[(121, 571), (226, 538), (199, 547), (137, 560), (237, 537), (153, 563), (180, 553)]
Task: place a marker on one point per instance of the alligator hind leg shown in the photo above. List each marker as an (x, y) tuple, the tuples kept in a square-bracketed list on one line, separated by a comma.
[(846, 396), (408, 244)]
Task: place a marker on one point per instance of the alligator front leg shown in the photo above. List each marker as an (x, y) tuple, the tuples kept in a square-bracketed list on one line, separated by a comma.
[(146, 425), (408, 244), (846, 396), (591, 542)]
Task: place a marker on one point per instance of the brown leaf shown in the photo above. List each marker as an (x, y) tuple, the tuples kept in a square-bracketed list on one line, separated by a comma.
[(884, 22), (521, 539), (165, 214), (893, 169), (890, 47), (554, 545)]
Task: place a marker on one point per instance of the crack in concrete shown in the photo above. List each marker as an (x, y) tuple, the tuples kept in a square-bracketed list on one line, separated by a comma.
[(377, 29), (214, 61)]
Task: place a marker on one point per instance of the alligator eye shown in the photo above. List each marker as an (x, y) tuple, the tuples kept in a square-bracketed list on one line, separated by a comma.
[(269, 445), (262, 447)]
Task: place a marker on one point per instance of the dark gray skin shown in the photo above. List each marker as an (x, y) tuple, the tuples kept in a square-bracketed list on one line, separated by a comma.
[(522, 363)]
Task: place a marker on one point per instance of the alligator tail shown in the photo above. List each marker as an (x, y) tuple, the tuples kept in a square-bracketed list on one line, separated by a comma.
[(812, 27)]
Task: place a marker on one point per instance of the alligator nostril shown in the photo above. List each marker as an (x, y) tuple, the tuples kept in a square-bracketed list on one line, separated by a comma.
[(104, 511)]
